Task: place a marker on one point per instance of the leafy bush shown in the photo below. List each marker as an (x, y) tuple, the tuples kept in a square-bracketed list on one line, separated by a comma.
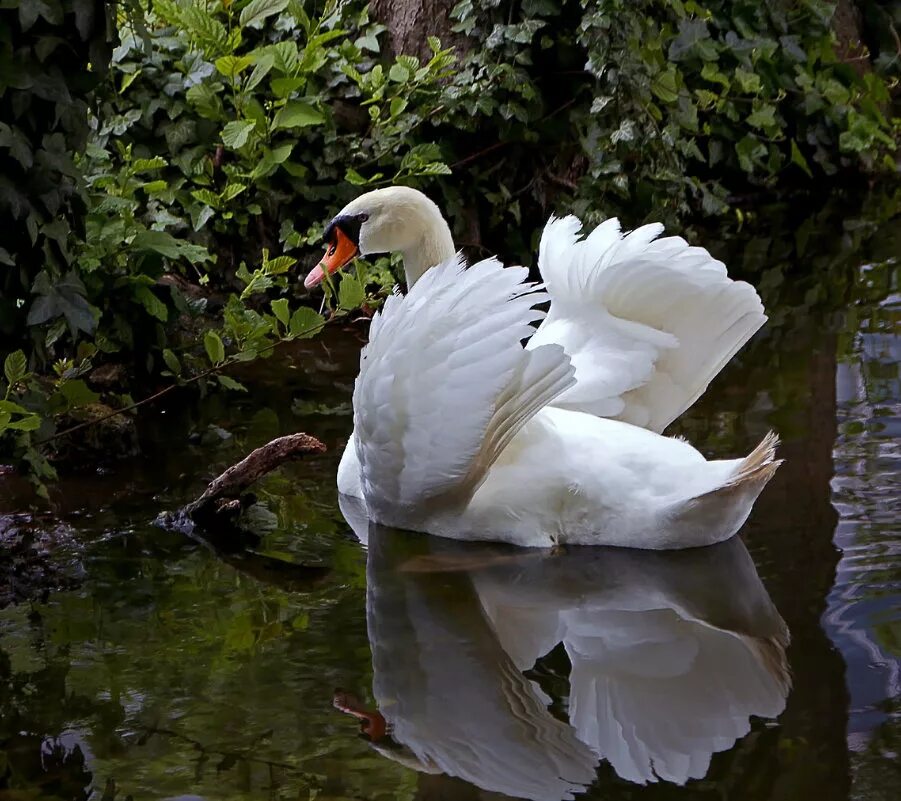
[(219, 128), (660, 108)]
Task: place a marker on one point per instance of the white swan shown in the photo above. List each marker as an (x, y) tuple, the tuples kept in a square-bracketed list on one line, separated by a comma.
[(672, 654), (463, 433)]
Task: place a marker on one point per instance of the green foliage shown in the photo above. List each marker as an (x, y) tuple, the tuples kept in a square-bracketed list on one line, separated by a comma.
[(217, 128), (44, 79), (662, 107), (257, 116)]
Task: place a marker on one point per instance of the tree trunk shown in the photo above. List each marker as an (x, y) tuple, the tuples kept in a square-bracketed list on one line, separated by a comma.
[(411, 22)]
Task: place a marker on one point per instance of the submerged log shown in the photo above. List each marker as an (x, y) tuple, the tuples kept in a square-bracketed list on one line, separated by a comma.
[(222, 500)]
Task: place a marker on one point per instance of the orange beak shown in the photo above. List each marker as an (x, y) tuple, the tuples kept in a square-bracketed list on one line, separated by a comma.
[(339, 253)]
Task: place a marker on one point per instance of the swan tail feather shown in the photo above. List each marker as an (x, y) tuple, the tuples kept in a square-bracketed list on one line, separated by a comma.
[(723, 510)]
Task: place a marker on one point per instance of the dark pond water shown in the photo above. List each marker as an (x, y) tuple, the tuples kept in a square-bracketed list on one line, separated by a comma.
[(424, 669)]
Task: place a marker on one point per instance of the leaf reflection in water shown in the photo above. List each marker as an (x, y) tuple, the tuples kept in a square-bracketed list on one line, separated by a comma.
[(671, 655)]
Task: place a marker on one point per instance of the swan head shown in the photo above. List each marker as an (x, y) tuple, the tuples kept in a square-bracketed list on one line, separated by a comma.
[(394, 219)]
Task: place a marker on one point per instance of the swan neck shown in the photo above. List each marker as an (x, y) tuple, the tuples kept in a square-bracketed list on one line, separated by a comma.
[(434, 246)]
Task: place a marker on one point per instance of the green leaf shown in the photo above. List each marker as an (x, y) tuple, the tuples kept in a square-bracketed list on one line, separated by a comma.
[(298, 114), (214, 347), (167, 245), (282, 87), (15, 367), (399, 73), (397, 105), (749, 150), (799, 160), (172, 361), (145, 165), (207, 197), (353, 177), (764, 117), (305, 322), (709, 72), (205, 100), (281, 311), (230, 383), (351, 292), (253, 14), (748, 81), (232, 66), (30, 423), (286, 57), (151, 303), (666, 86), (260, 71), (77, 393), (235, 133), (279, 265), (231, 191)]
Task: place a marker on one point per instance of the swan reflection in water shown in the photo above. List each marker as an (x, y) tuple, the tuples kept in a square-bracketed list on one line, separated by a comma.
[(671, 655)]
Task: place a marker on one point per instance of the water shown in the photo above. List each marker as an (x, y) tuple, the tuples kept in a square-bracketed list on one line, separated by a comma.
[(161, 668)]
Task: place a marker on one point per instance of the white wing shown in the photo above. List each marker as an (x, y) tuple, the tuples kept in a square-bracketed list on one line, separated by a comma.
[(444, 383), (647, 322)]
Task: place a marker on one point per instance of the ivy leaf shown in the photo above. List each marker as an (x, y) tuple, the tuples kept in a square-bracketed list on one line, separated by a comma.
[(764, 117), (18, 145), (709, 72), (253, 14), (799, 160), (353, 177), (214, 347), (666, 86), (749, 149), (15, 368), (748, 81), (235, 133), (305, 322), (298, 114), (63, 298)]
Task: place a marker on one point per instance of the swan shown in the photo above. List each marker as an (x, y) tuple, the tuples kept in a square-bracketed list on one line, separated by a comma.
[(461, 432), (671, 654)]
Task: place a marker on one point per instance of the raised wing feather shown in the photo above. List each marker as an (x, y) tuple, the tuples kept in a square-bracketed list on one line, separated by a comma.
[(647, 322), (444, 384)]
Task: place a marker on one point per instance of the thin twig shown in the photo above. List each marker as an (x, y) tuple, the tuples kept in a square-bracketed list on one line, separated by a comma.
[(496, 145), (166, 390), (479, 154)]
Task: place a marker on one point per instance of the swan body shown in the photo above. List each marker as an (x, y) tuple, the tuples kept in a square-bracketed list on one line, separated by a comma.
[(463, 433)]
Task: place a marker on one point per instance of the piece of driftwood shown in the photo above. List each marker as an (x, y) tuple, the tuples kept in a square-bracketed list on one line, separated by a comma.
[(222, 499)]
